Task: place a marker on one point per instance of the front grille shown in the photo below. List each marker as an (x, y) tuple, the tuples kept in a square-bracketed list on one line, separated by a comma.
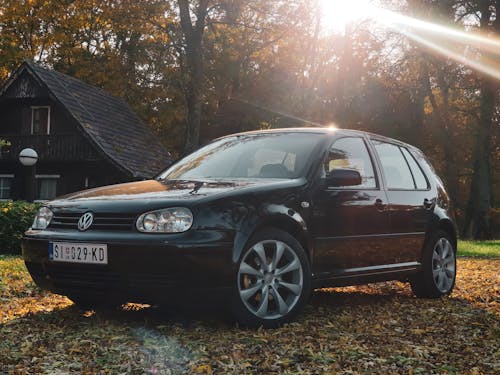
[(102, 221)]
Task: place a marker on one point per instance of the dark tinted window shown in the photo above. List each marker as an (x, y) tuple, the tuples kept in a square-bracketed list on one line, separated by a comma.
[(5, 187), (40, 120), (396, 170), (352, 153), (418, 175), (427, 167), (47, 188)]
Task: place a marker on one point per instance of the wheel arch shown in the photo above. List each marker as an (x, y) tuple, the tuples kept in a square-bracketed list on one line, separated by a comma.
[(447, 226), (292, 224)]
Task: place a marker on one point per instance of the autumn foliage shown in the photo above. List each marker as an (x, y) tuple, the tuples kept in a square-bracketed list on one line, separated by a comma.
[(260, 63), (377, 329)]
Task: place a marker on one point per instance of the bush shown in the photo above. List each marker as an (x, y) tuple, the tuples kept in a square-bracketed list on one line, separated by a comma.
[(15, 218)]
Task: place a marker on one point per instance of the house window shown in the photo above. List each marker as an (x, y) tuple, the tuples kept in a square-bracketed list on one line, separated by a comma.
[(46, 186), (6, 185), (40, 120)]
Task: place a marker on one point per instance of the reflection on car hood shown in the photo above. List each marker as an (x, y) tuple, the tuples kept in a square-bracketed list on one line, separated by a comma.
[(167, 189)]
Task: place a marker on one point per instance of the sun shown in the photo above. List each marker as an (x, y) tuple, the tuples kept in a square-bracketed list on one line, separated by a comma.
[(338, 14)]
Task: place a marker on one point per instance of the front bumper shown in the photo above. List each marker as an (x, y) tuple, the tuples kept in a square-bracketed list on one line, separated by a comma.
[(141, 267)]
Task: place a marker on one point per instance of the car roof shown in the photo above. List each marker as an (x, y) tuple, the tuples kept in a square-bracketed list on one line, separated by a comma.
[(327, 130)]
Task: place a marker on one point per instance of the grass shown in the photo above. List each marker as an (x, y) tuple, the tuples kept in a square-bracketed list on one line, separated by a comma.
[(479, 249)]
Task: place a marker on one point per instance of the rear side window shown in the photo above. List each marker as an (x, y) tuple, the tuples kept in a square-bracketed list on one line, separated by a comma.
[(418, 175), (352, 153), (396, 170)]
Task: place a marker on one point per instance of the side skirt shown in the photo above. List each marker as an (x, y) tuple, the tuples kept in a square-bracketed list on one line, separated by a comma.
[(365, 275)]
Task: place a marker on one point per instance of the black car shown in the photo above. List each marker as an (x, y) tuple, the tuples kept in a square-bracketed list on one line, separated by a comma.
[(255, 221)]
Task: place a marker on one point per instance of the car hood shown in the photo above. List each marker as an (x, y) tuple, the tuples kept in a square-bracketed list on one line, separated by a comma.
[(152, 192)]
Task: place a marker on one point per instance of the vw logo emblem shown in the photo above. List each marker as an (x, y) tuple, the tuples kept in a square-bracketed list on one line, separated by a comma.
[(85, 221)]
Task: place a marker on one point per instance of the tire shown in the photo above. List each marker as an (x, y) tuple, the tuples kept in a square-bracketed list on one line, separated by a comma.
[(273, 280), (437, 277)]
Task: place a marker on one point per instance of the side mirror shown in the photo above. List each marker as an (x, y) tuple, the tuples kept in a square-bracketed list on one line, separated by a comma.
[(343, 177)]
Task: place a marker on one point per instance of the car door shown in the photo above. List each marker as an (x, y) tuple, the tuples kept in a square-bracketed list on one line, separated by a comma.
[(409, 197), (349, 222)]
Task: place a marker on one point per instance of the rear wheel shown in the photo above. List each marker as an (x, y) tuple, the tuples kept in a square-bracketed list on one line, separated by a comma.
[(437, 277), (273, 280)]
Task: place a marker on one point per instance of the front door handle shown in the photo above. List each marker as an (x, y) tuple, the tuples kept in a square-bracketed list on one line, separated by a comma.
[(379, 203), (428, 203)]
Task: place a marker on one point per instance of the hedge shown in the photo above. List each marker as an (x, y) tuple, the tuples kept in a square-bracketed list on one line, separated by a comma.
[(15, 218)]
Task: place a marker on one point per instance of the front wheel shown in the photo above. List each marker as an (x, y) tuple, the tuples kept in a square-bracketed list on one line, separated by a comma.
[(437, 277), (273, 281)]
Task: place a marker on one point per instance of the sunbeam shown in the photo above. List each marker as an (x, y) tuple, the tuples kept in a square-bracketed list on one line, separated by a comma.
[(478, 52)]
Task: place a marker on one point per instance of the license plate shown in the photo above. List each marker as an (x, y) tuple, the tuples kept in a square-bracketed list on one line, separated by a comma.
[(89, 253)]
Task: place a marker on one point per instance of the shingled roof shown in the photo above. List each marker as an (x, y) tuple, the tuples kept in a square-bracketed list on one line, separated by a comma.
[(109, 122)]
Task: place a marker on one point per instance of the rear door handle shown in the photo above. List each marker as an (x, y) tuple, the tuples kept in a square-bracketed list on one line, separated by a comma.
[(428, 203)]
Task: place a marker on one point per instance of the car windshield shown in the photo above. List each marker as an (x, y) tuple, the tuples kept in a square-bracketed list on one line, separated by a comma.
[(265, 155)]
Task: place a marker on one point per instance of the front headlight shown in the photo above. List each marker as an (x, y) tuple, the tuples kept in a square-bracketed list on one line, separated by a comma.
[(168, 220), (42, 218)]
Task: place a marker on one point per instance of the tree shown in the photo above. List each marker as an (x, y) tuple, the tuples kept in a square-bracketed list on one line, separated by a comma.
[(193, 37), (479, 205), (26, 29), (197, 69)]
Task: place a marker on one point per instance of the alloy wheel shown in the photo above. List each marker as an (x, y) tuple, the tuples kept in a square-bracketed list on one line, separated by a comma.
[(270, 279), (443, 265)]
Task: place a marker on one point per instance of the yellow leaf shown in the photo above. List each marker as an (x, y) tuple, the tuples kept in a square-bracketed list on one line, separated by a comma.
[(418, 331), (203, 369)]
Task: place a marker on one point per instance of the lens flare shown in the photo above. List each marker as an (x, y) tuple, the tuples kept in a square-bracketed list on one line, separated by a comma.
[(472, 49)]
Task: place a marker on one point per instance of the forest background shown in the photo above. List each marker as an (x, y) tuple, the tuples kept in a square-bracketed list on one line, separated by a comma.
[(426, 72)]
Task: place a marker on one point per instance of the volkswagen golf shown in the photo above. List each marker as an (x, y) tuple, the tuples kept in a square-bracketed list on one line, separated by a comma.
[(253, 222)]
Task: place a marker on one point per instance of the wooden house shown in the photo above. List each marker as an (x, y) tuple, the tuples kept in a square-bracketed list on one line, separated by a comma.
[(84, 136)]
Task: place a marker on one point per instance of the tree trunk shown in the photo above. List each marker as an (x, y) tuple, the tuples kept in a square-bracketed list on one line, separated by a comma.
[(477, 221), (193, 36), (442, 116)]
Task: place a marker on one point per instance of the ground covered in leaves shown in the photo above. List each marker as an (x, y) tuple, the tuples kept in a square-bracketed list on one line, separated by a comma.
[(380, 328)]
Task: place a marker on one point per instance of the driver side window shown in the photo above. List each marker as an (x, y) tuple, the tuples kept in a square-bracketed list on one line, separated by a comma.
[(351, 153)]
